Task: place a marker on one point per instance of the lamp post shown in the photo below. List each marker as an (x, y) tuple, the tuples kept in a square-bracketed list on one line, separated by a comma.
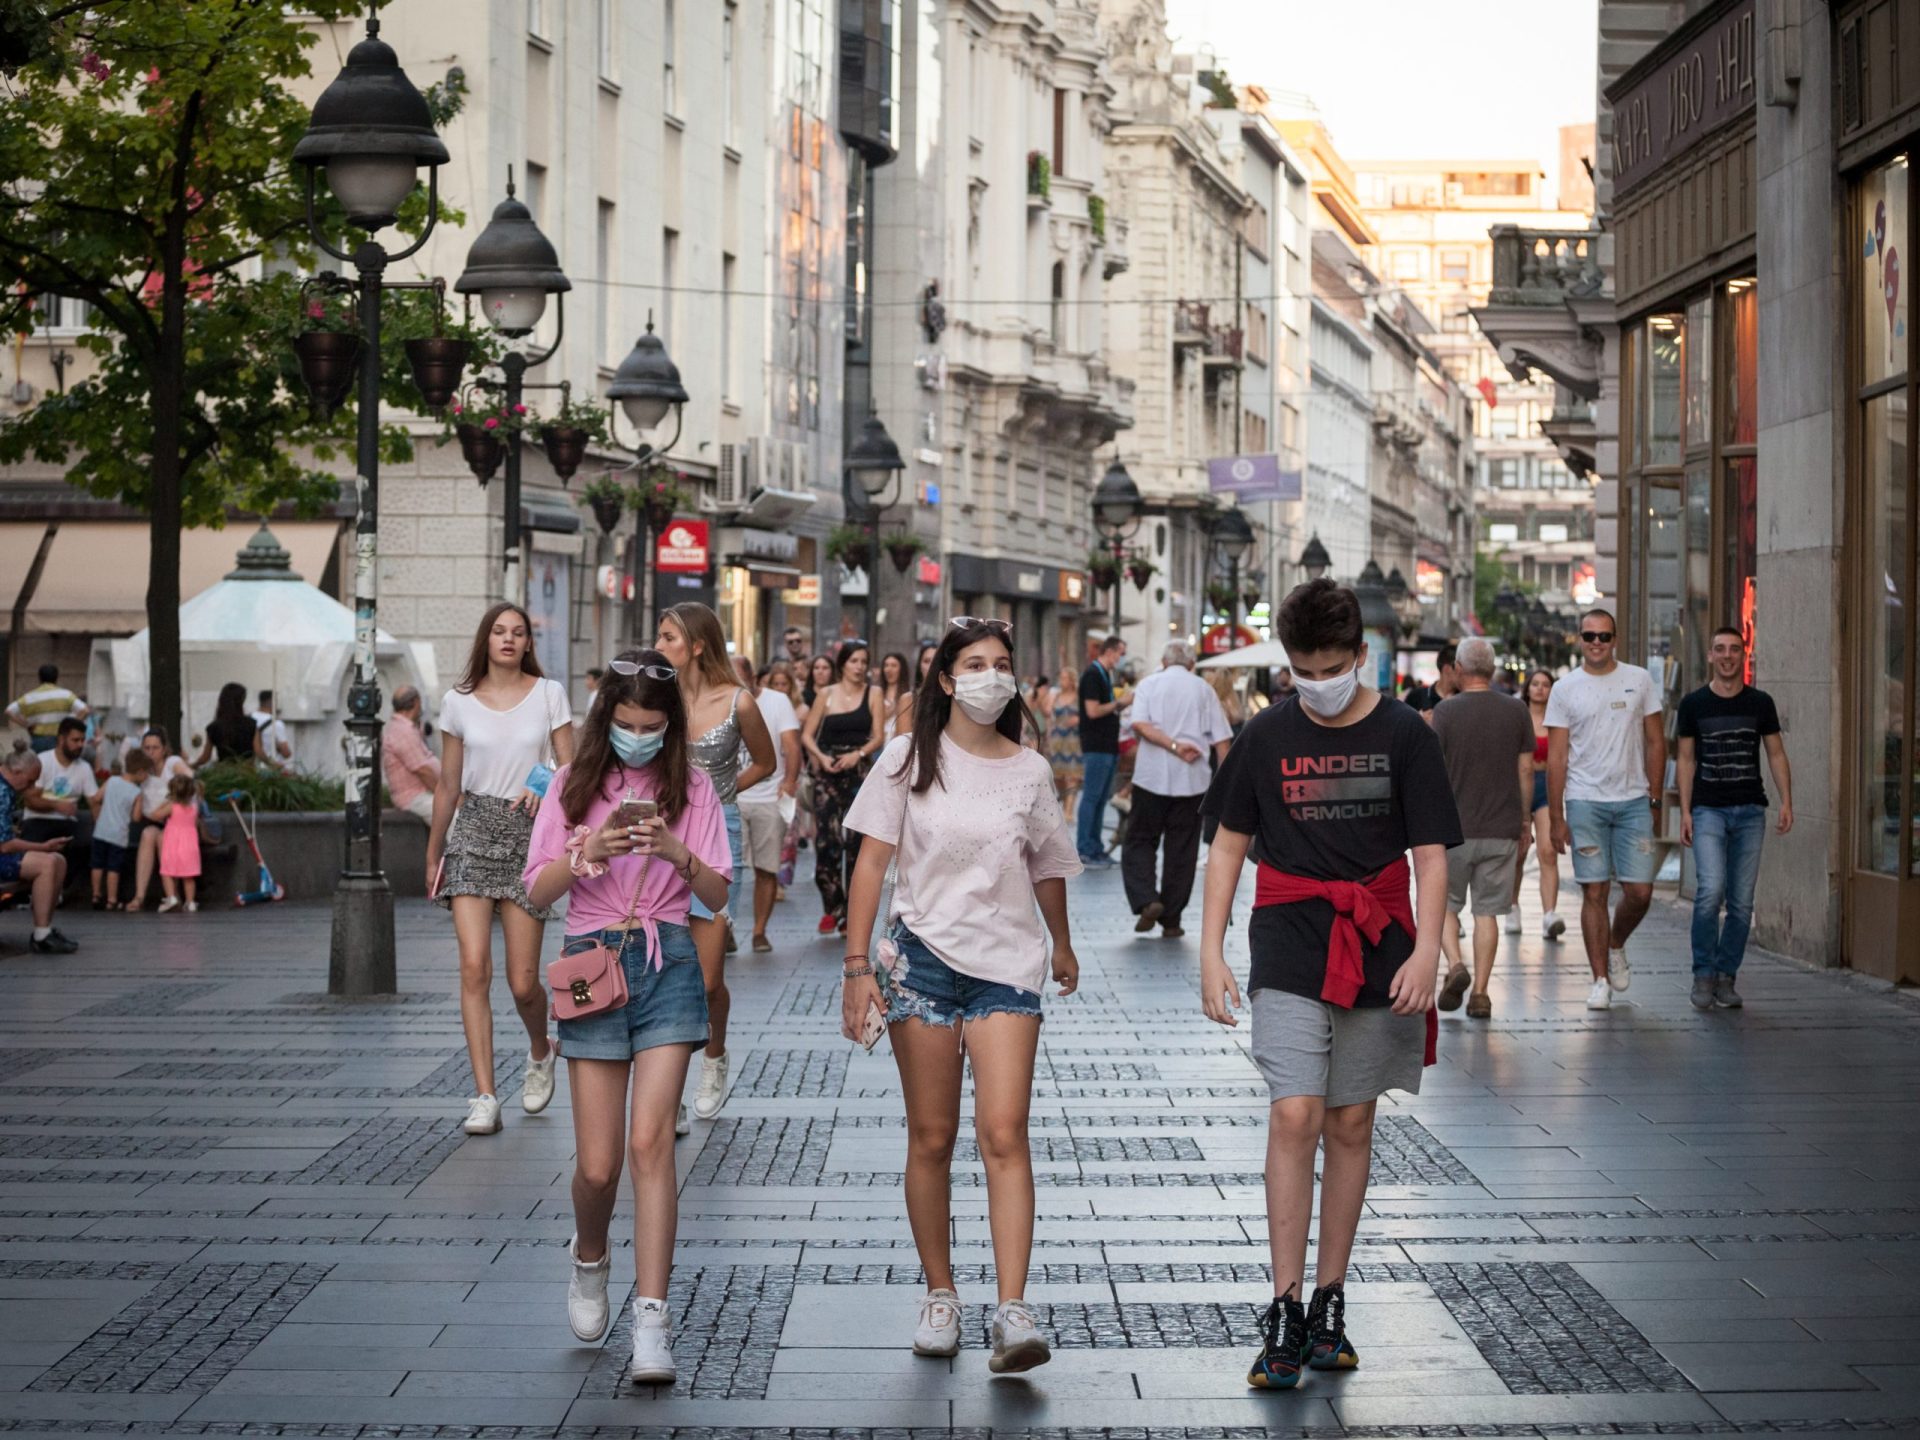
[(1314, 560), (1233, 537), (1377, 618), (875, 464), (1117, 508), (372, 131), (647, 385), (513, 268)]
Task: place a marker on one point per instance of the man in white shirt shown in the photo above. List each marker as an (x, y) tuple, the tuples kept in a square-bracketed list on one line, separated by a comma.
[(1606, 764), (1179, 720), (65, 797), (274, 743), (766, 808)]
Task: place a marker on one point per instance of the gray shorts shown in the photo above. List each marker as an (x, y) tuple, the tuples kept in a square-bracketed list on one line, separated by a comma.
[(1487, 868), (1347, 1057)]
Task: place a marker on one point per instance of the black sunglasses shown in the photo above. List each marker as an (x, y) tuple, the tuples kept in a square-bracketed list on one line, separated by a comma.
[(1597, 637), (634, 667)]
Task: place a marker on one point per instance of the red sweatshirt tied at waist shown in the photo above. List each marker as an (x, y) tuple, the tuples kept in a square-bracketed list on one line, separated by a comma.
[(1360, 908)]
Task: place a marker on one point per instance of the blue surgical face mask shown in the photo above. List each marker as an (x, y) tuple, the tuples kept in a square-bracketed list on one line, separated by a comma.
[(636, 749)]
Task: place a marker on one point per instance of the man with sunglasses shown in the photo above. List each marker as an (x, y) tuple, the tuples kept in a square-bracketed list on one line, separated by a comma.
[(1606, 761)]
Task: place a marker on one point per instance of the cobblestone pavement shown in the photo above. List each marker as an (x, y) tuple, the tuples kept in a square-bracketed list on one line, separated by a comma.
[(230, 1205)]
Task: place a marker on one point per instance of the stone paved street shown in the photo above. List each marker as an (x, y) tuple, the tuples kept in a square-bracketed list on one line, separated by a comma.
[(231, 1205)]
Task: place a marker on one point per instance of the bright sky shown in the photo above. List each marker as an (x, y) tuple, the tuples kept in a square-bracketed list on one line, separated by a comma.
[(1414, 79)]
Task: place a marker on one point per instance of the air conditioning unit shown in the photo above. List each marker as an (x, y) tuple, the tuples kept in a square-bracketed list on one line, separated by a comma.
[(731, 487)]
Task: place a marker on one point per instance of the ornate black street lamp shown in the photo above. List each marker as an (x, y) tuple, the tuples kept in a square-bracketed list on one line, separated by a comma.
[(1314, 560), (874, 465), (1117, 508), (1232, 537), (513, 268), (372, 131), (647, 386)]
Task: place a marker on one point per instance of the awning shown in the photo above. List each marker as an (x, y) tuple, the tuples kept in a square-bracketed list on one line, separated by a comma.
[(766, 574), (95, 578)]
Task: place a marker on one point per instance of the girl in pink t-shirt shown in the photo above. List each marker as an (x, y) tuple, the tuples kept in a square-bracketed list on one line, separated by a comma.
[(984, 855), (632, 832)]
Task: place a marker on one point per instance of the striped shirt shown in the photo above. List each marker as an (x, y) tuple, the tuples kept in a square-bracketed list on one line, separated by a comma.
[(42, 709)]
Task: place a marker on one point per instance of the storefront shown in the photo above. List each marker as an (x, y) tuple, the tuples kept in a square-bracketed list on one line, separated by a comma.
[(1879, 133), (760, 578), (1686, 288), (1044, 604)]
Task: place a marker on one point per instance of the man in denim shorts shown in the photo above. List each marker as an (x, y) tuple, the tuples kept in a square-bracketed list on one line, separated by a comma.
[(1606, 761)]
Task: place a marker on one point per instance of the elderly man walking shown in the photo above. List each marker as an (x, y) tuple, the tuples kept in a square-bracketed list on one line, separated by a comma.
[(412, 771), (1487, 741), (1179, 720)]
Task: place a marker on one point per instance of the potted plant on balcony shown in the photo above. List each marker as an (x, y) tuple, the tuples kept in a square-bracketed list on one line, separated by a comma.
[(566, 436), (1140, 569), (851, 546), (1101, 569), (902, 546), (482, 428), (1097, 218), (1039, 177), (658, 497), (607, 498)]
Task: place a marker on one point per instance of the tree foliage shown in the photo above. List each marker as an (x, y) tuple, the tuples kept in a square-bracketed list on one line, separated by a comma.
[(146, 169)]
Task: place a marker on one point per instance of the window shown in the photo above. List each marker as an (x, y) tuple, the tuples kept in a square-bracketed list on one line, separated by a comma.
[(603, 267), (1503, 534), (1456, 265), (1553, 534), (1409, 264), (729, 94), (534, 193), (1256, 333), (1255, 226), (669, 283), (62, 312), (1059, 132), (1509, 182), (669, 55), (1059, 305), (608, 50), (729, 386)]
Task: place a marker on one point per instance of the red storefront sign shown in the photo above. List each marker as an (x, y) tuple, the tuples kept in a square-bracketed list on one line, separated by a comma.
[(1219, 639), (682, 548), (929, 572)]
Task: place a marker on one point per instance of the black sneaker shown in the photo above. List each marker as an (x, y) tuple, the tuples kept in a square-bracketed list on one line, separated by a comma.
[(54, 944), (1327, 1330), (1283, 1354)]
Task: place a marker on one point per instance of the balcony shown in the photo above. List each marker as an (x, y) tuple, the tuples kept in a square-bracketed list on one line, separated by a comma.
[(1548, 298), (1571, 429), (1218, 346), (1115, 258)]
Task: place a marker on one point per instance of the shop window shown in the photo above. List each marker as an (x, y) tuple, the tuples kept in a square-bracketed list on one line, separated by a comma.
[(1659, 406), (1883, 295), (1739, 522), (1884, 465)]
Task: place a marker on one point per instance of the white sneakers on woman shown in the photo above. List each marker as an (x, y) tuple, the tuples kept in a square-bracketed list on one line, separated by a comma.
[(1017, 1342), (483, 1116), (652, 1362), (712, 1093), (587, 1294), (938, 1333), (537, 1092)]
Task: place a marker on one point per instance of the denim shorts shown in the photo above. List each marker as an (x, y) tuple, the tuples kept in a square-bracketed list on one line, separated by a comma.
[(698, 909), (1539, 792), (924, 987), (1612, 840), (667, 1006)]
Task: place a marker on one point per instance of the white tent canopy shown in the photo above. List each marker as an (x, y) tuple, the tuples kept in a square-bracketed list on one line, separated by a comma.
[(268, 629), (1264, 655)]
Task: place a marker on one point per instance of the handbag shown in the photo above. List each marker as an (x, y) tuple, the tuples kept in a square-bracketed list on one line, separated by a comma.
[(594, 981), (541, 775)]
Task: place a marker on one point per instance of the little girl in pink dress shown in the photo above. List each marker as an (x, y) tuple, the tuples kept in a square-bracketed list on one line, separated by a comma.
[(180, 842)]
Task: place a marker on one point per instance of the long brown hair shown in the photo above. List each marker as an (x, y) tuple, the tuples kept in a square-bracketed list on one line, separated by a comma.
[(595, 763), (477, 657), (702, 628), (933, 706)]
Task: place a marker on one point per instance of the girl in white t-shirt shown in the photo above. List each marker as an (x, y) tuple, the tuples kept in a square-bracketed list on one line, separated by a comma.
[(498, 726), (984, 855)]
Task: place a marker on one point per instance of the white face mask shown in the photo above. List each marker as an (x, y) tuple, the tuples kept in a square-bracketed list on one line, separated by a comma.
[(1329, 697), (984, 694)]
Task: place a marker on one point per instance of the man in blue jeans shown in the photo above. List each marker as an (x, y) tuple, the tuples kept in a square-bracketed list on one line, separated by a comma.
[(1099, 748), (1723, 810)]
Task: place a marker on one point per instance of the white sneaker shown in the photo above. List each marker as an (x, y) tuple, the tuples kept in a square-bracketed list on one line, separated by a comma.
[(1619, 972), (192, 907), (712, 1093), (683, 1122), (1552, 927), (938, 1332), (172, 902), (483, 1116), (1017, 1342), (537, 1091), (652, 1362), (1600, 997), (587, 1293), (1514, 927)]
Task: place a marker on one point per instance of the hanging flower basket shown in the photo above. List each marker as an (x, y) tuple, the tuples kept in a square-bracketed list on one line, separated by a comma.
[(328, 362), (902, 546), (1101, 570), (851, 546), (1250, 596), (1220, 595), (437, 362), (481, 448), (566, 447), (1141, 570), (608, 499), (658, 497)]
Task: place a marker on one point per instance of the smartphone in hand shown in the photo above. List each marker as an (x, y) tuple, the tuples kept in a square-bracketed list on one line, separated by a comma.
[(632, 812)]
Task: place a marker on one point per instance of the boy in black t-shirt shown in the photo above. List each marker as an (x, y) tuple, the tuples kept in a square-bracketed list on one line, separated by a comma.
[(1337, 784)]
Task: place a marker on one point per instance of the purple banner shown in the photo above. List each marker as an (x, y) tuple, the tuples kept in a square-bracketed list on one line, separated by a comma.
[(1253, 478)]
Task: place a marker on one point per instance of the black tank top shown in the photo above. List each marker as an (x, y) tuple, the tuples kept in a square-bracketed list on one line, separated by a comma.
[(845, 729)]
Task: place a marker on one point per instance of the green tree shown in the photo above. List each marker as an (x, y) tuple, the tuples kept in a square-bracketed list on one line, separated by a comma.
[(145, 168)]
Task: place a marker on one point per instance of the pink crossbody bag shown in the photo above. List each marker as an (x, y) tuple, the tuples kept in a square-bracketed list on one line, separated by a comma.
[(594, 981)]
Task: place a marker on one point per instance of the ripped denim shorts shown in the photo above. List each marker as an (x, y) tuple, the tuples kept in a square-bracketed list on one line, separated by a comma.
[(921, 986)]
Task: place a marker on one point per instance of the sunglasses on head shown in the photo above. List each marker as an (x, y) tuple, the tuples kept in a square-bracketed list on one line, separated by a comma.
[(1597, 637), (1002, 628), (634, 667)]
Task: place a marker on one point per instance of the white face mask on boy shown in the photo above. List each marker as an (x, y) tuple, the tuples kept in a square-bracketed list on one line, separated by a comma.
[(1329, 698), (984, 694)]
